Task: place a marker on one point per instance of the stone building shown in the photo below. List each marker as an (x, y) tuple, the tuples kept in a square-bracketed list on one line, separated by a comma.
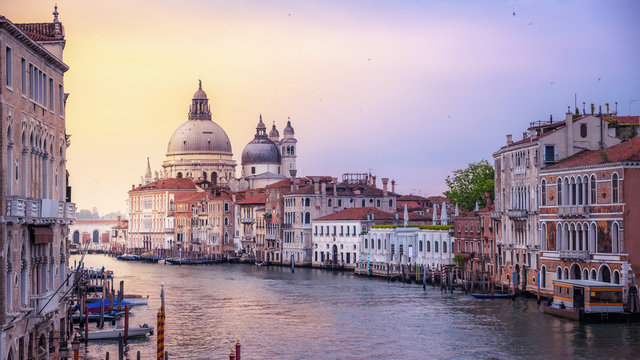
[(517, 186), (587, 216), (36, 201), (474, 234), (336, 237), (200, 148)]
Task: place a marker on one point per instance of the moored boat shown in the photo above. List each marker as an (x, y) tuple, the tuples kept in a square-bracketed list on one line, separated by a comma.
[(128, 257), (587, 300), (492, 296), (115, 333)]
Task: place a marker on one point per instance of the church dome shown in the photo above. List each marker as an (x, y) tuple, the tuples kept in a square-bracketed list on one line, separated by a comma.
[(199, 136), (274, 132), (288, 130), (260, 150)]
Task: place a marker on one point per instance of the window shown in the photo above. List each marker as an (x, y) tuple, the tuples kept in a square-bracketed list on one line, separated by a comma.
[(9, 66), (549, 154), (583, 130), (594, 188), (544, 192), (444, 246), (354, 230), (435, 246), (614, 186), (329, 203), (253, 170), (226, 207), (363, 203), (559, 191), (339, 203), (23, 70), (377, 203), (60, 100), (420, 246)]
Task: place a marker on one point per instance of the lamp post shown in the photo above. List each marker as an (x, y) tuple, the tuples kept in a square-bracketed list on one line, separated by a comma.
[(75, 345)]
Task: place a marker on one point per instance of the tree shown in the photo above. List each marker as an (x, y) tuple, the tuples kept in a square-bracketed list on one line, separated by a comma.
[(469, 185)]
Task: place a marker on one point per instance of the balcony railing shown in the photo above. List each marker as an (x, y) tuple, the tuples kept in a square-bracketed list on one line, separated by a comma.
[(517, 214), (286, 226), (271, 236), (247, 220), (574, 254), (574, 211), (496, 215), (40, 211), (41, 304)]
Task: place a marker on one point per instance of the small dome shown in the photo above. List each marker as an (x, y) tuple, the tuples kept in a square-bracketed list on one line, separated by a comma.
[(260, 151), (288, 130), (274, 132), (199, 137), (200, 94)]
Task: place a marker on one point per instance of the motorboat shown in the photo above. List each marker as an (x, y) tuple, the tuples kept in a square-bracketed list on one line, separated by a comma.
[(94, 307), (116, 333), (128, 257), (587, 300), (492, 296)]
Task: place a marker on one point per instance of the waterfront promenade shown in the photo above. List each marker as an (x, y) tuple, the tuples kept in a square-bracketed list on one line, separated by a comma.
[(314, 314)]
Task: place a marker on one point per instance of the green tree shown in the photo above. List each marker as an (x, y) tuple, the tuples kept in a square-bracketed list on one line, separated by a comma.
[(469, 185)]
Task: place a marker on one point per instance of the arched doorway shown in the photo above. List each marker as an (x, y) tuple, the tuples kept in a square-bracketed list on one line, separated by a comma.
[(76, 237), (605, 274), (335, 254), (517, 277), (543, 277), (575, 272), (96, 236)]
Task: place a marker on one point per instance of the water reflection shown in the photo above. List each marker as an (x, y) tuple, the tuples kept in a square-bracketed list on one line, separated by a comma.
[(311, 314)]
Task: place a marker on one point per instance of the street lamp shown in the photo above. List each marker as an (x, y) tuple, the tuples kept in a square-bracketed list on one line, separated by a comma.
[(75, 345)]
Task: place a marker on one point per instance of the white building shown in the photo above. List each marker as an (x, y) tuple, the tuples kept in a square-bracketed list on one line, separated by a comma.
[(397, 245), (336, 237)]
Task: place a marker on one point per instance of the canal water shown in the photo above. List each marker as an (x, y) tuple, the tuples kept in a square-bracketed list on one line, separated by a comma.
[(313, 314)]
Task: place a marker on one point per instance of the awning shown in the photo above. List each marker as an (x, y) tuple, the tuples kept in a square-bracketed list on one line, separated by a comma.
[(42, 234)]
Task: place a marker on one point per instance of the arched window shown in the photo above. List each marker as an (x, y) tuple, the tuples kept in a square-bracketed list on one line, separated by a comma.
[(307, 218), (420, 246), (594, 188), (179, 175), (566, 273), (616, 277), (428, 246), (76, 237), (559, 273), (559, 185), (615, 244), (329, 203), (226, 236), (614, 186), (435, 246), (585, 274), (444, 247), (379, 243), (307, 202), (594, 275), (583, 130), (293, 152), (544, 192), (605, 274), (204, 175)]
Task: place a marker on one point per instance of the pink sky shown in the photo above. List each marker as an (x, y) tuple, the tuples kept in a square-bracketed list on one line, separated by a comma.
[(409, 90)]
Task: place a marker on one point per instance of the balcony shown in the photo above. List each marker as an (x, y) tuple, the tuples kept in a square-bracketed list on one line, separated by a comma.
[(247, 220), (517, 214), (286, 226), (574, 211), (496, 215), (271, 236), (22, 210), (41, 304), (574, 254)]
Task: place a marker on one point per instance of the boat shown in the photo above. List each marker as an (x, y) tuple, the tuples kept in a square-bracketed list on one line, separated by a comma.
[(128, 257), (587, 300), (94, 306), (174, 261), (492, 296), (116, 333), (95, 317), (136, 299), (260, 263)]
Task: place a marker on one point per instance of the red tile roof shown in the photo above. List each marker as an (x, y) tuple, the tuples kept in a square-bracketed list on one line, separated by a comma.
[(411, 197), (360, 213), (626, 151), (40, 31), (255, 199), (172, 184)]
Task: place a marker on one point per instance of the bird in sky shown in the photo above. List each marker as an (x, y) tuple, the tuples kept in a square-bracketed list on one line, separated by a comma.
[(514, 13)]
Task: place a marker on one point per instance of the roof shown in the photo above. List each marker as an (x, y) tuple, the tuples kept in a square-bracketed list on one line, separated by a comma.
[(40, 31), (360, 213), (259, 198), (625, 151), (166, 184), (192, 197), (411, 197), (96, 222), (590, 283), (623, 120)]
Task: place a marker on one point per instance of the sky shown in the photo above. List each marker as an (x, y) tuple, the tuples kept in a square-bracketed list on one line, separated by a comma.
[(409, 90)]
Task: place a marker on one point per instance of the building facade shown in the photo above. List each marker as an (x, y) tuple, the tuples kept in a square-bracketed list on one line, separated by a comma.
[(36, 199), (587, 222)]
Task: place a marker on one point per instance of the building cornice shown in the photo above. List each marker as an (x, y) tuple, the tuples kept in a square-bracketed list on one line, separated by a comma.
[(33, 45)]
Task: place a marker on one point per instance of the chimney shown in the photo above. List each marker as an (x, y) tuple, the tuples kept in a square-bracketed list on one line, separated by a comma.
[(293, 173), (509, 139), (133, 186), (335, 183), (488, 198), (316, 188), (374, 181), (393, 186), (569, 132), (385, 181), (323, 188)]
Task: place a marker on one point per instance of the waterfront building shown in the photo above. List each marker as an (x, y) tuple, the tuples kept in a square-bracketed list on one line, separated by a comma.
[(199, 148), (220, 211), (266, 159), (93, 233), (587, 217), (274, 205), (35, 198), (517, 185), (336, 237), (250, 218), (151, 213), (119, 236), (384, 245), (474, 238), (316, 196)]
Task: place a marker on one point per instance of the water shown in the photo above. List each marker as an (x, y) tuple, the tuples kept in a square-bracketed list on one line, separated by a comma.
[(313, 314)]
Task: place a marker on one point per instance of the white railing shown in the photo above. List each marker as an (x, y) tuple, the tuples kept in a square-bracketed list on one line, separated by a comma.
[(517, 213), (23, 208), (574, 211), (574, 254)]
